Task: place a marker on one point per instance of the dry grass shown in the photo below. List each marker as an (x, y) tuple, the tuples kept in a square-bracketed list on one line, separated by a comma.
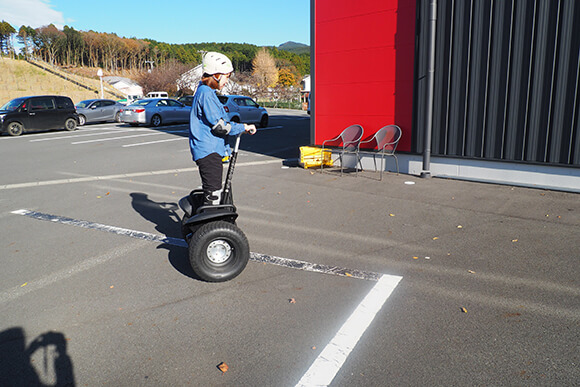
[(19, 78)]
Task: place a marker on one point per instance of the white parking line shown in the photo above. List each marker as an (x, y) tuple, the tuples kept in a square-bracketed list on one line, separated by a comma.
[(155, 142), (84, 135), (122, 175), (331, 359), (124, 137)]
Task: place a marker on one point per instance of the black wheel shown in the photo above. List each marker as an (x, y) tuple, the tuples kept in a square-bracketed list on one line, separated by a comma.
[(236, 119), (264, 121), (156, 120), (118, 117), (218, 251), (82, 120), (70, 124), (15, 129)]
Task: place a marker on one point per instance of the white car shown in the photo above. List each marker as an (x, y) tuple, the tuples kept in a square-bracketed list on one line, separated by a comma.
[(98, 110), (244, 109)]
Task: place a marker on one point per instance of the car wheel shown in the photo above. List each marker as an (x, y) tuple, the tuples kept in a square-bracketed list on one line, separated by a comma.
[(218, 251), (236, 119), (156, 120), (264, 121), (118, 117), (82, 120), (70, 124), (15, 129)]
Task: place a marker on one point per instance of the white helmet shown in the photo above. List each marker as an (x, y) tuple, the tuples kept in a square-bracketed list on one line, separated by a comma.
[(216, 63)]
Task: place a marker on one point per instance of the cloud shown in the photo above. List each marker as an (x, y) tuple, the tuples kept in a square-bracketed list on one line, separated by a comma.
[(33, 13)]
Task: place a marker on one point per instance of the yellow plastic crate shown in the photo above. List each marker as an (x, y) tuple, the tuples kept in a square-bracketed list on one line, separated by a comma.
[(314, 157)]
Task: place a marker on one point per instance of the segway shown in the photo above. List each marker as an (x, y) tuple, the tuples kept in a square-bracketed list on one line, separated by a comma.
[(218, 249)]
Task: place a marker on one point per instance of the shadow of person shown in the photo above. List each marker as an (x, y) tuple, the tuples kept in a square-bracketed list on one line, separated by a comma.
[(168, 223), (16, 361)]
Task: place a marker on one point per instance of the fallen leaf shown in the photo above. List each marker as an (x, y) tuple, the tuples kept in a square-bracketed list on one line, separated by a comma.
[(348, 274), (24, 284), (435, 238), (98, 197), (514, 240), (463, 310), (111, 287), (415, 257), (313, 347), (470, 271), (460, 226), (223, 367), (292, 301), (107, 194), (391, 214)]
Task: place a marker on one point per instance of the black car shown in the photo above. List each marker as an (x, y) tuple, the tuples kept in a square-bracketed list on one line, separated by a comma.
[(187, 100), (38, 113)]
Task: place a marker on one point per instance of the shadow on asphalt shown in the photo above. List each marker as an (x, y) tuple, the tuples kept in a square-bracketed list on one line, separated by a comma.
[(45, 359), (168, 223)]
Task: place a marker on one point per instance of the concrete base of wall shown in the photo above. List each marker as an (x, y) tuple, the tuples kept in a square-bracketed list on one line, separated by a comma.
[(526, 175)]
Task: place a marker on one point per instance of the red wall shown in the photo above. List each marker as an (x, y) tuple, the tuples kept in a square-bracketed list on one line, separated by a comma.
[(364, 58)]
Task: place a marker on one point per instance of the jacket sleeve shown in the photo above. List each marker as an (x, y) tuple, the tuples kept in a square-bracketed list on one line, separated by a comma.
[(214, 112)]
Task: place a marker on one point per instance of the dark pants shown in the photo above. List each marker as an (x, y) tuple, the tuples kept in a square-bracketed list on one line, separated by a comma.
[(210, 170)]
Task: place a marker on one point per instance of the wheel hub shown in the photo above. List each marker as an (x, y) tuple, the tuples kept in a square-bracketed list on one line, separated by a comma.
[(219, 251)]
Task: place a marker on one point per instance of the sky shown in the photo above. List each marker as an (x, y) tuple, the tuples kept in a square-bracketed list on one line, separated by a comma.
[(259, 22)]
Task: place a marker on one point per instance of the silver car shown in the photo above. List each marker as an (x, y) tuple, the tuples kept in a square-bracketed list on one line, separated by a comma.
[(98, 110), (244, 109), (155, 112)]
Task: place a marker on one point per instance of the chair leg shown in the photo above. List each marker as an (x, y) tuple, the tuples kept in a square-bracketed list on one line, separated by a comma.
[(397, 163), (382, 165)]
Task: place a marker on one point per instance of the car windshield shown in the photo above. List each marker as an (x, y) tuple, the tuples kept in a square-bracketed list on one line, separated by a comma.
[(84, 104), (13, 105)]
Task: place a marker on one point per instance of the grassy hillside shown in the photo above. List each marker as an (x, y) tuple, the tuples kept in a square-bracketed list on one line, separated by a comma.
[(19, 78)]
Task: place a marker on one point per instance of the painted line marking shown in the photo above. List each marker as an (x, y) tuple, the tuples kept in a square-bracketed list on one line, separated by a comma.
[(123, 175), (325, 367), (328, 363), (155, 142), (256, 257), (124, 137), (84, 135)]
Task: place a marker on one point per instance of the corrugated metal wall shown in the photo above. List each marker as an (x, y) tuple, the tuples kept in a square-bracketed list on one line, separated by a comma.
[(507, 80)]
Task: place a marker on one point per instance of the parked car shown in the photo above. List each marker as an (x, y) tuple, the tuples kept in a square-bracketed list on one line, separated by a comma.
[(157, 94), (186, 100), (155, 112), (98, 110), (37, 113), (244, 109)]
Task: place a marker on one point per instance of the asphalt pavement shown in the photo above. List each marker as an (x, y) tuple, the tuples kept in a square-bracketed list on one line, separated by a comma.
[(444, 282)]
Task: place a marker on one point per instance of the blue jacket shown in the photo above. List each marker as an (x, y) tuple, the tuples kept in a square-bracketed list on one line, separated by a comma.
[(206, 111)]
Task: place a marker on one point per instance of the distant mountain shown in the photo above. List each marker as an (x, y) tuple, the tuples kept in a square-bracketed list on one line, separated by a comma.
[(296, 48)]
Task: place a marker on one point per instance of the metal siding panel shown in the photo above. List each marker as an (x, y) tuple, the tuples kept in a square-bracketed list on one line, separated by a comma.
[(476, 99), (507, 81), (459, 78), (557, 152), (541, 83), (519, 85), (498, 78)]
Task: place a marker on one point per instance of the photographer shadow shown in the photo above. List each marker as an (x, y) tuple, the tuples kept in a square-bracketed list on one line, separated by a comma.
[(168, 223), (48, 351)]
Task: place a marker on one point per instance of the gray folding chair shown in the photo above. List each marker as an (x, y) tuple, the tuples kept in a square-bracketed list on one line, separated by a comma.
[(349, 139), (385, 142)]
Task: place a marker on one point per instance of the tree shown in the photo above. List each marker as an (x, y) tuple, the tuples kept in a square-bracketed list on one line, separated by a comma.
[(25, 37), (264, 69), (47, 39), (286, 78), (6, 32), (163, 78)]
